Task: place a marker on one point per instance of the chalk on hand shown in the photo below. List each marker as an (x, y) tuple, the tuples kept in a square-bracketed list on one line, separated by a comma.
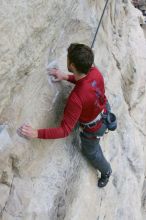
[(52, 65), (19, 131)]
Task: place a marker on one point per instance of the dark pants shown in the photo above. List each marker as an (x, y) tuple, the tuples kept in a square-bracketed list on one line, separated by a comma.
[(92, 149)]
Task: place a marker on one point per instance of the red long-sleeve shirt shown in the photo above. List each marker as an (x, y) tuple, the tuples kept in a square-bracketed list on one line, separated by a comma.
[(85, 102)]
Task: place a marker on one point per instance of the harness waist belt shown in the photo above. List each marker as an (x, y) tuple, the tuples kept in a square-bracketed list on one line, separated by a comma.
[(93, 122)]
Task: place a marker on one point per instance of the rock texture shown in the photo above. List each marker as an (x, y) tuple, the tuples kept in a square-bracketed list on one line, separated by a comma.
[(50, 179)]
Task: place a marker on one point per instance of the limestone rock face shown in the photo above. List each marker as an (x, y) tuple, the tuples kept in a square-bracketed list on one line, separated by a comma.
[(142, 2), (50, 179)]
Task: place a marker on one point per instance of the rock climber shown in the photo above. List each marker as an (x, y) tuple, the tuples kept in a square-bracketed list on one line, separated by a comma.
[(85, 105)]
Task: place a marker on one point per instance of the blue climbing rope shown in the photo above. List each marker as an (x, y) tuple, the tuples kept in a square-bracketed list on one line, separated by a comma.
[(92, 45)]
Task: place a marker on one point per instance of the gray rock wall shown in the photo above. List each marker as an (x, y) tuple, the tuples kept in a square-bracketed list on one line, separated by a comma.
[(49, 179)]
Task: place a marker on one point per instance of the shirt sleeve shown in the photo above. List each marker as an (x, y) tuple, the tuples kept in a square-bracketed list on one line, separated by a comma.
[(72, 113), (71, 78)]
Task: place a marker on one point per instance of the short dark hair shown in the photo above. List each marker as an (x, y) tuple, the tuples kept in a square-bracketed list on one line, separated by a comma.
[(81, 56)]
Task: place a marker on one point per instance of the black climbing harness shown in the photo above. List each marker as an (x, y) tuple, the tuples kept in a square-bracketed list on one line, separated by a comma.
[(92, 45)]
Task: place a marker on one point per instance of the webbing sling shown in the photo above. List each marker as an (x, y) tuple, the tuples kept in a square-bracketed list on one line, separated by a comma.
[(92, 45)]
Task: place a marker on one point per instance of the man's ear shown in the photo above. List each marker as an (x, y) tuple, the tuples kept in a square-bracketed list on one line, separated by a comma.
[(73, 66)]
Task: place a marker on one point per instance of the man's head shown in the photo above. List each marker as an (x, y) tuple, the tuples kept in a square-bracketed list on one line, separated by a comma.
[(80, 58)]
